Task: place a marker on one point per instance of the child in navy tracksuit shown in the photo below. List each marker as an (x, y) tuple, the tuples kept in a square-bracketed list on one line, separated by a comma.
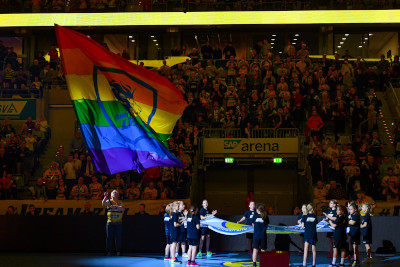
[(309, 222), (167, 224), (193, 235), (260, 223), (339, 235), (205, 232), (248, 217), (174, 228), (354, 232), (366, 231)]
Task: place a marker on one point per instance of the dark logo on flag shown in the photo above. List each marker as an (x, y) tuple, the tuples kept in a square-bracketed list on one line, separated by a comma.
[(125, 95)]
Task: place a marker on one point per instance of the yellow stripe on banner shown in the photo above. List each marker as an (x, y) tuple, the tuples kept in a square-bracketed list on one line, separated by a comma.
[(162, 122), (82, 87), (201, 18)]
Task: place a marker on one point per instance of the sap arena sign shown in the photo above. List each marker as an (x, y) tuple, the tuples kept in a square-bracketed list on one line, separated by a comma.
[(251, 145)]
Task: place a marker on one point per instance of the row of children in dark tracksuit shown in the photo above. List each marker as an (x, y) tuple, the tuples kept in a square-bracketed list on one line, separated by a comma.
[(182, 226), (349, 227)]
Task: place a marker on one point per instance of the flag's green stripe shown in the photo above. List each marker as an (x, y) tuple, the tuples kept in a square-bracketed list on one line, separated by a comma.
[(89, 112)]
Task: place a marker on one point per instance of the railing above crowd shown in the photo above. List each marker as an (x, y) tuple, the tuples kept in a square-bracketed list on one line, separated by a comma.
[(76, 6), (253, 133)]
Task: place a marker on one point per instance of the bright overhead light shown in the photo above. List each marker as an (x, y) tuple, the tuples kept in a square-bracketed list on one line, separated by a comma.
[(152, 36), (293, 43), (335, 52), (370, 34), (344, 38), (346, 34), (341, 43), (360, 46), (132, 41), (272, 39), (272, 43), (296, 34), (274, 35), (154, 40), (363, 42), (294, 39), (280, 52), (339, 46), (130, 36), (366, 38), (272, 47), (156, 44)]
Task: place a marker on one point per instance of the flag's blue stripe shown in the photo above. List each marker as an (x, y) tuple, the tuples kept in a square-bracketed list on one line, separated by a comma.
[(106, 137)]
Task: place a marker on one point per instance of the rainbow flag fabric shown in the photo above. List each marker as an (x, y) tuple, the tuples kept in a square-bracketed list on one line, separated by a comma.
[(126, 112)]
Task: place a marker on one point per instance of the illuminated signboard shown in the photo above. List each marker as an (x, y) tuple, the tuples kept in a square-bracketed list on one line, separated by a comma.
[(200, 18)]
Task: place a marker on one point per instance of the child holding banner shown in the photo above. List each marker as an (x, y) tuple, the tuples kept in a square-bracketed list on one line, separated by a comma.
[(366, 231), (174, 232), (331, 216), (309, 222), (193, 228), (167, 224), (354, 227), (260, 223), (248, 216), (339, 236), (205, 232)]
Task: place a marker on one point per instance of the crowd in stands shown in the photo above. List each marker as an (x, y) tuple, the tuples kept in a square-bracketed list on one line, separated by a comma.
[(15, 81), (324, 99), (73, 176), (330, 101), (11, 6), (20, 151)]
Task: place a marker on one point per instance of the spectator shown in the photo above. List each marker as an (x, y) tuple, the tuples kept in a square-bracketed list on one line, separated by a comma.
[(95, 189), (52, 176), (70, 172), (315, 125), (229, 51), (61, 190), (10, 211), (335, 191), (31, 210), (53, 53), (320, 192), (142, 210), (133, 192), (39, 190), (315, 162), (175, 52), (182, 156), (207, 51), (80, 190), (362, 199), (77, 144), (151, 175), (150, 192)]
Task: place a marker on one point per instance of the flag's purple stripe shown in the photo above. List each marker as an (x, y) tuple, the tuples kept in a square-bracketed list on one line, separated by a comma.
[(120, 159)]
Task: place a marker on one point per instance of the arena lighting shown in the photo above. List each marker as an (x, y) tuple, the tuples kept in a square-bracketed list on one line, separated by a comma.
[(341, 42), (346, 34), (366, 38), (273, 35), (344, 38), (339, 46), (154, 40), (201, 18), (360, 46), (297, 34), (272, 39), (277, 160), (229, 160), (130, 36)]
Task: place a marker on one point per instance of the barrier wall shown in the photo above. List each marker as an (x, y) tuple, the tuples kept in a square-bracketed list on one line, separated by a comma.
[(75, 207), (142, 234)]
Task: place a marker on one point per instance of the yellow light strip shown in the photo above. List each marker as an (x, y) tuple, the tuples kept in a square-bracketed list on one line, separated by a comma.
[(201, 18)]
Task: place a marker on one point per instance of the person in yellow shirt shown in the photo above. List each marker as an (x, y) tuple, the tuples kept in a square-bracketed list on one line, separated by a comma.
[(115, 211)]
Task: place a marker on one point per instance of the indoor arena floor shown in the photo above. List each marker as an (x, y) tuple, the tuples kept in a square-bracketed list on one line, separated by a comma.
[(149, 260)]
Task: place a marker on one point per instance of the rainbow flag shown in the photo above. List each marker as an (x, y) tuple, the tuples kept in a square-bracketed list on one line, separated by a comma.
[(125, 111)]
